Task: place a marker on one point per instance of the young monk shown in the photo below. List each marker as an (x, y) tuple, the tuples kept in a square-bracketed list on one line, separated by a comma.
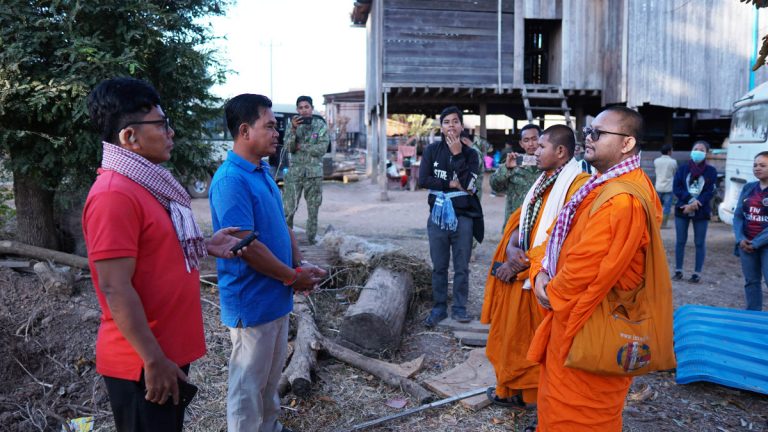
[(509, 305), (587, 256)]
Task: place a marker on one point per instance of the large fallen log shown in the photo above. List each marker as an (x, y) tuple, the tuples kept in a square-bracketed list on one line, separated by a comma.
[(9, 247), (297, 375), (379, 369), (374, 324)]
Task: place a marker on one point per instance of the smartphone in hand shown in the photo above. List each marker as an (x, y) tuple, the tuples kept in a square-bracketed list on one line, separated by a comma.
[(245, 241), (306, 120), (187, 392), (495, 266)]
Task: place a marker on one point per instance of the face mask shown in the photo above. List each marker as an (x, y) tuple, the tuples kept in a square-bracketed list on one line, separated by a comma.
[(698, 156)]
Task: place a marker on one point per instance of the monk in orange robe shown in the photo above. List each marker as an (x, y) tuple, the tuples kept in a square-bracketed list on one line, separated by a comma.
[(509, 304), (589, 254)]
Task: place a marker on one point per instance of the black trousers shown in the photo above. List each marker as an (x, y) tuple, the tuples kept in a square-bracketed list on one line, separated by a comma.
[(133, 413)]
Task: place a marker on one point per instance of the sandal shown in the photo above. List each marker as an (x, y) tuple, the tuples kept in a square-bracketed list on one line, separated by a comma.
[(515, 401)]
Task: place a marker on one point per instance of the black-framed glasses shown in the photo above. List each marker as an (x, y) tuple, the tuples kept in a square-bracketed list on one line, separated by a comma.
[(165, 121), (594, 134)]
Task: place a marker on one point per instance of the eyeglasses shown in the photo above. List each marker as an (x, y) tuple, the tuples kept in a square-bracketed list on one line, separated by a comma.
[(594, 134), (165, 121)]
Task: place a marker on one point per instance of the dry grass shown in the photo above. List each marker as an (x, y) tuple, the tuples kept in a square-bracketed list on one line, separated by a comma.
[(342, 396)]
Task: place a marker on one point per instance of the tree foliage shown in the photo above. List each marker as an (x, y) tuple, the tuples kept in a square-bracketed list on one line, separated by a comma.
[(418, 124), (763, 54), (52, 53)]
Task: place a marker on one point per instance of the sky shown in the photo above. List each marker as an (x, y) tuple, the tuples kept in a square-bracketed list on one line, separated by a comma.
[(315, 50)]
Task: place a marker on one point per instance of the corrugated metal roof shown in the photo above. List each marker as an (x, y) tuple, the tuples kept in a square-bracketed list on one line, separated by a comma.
[(723, 346)]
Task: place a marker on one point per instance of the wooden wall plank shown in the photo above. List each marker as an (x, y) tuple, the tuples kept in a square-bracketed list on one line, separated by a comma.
[(452, 5), (543, 9), (693, 55), (437, 46)]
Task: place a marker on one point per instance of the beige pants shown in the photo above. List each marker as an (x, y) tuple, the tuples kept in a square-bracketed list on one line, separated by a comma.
[(258, 356)]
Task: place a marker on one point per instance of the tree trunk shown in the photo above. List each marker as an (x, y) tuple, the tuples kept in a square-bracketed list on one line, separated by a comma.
[(8, 247), (34, 212), (375, 323), (297, 374)]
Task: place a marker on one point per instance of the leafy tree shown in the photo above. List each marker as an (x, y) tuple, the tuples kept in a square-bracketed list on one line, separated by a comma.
[(418, 124), (764, 48), (52, 53)]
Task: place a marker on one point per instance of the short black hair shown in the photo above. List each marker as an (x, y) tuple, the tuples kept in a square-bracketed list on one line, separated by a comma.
[(632, 121), (530, 126), (451, 110), (702, 142), (306, 99), (666, 149), (244, 108), (117, 101), (762, 153), (562, 135)]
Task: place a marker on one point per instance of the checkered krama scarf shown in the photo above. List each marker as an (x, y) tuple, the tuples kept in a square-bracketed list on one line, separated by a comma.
[(565, 218), (167, 190), (534, 207)]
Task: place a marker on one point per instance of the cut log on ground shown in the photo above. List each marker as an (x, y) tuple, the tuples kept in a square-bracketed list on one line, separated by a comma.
[(297, 376), (375, 323), (9, 247), (54, 281), (380, 369)]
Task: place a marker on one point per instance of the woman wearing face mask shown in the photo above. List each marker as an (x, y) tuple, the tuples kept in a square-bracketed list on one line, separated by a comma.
[(694, 186), (750, 225)]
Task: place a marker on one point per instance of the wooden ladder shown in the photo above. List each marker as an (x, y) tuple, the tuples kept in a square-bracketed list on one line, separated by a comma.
[(547, 99)]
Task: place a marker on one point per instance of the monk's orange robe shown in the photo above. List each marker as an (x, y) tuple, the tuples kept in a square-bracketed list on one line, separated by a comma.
[(601, 251), (514, 314)]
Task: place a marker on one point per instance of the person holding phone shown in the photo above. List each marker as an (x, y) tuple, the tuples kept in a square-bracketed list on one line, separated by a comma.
[(144, 252), (449, 170), (307, 141), (256, 291), (517, 172)]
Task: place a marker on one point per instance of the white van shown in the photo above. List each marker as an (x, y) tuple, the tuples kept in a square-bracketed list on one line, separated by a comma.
[(748, 137)]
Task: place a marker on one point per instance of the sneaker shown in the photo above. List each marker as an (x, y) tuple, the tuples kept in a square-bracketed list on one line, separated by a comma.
[(678, 276), (461, 317), (695, 278), (434, 318)]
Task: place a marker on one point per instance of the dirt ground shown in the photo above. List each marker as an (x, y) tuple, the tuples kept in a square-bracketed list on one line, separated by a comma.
[(47, 355)]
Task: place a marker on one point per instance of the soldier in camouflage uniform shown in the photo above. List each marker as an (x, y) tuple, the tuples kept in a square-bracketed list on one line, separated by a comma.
[(481, 145), (516, 180), (307, 141)]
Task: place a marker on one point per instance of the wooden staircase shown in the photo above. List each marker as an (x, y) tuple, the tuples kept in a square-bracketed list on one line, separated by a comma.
[(540, 99)]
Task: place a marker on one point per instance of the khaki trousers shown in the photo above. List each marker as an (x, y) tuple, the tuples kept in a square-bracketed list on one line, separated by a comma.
[(258, 356)]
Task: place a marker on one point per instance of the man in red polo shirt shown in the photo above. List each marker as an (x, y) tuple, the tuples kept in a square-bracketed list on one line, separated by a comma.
[(144, 249)]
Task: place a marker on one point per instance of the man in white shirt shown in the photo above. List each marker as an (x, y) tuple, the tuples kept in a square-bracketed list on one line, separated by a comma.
[(665, 172)]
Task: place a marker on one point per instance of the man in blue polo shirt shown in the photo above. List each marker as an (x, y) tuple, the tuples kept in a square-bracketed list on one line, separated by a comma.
[(256, 290)]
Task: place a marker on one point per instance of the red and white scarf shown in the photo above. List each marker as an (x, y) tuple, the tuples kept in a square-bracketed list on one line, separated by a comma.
[(565, 218), (167, 190)]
